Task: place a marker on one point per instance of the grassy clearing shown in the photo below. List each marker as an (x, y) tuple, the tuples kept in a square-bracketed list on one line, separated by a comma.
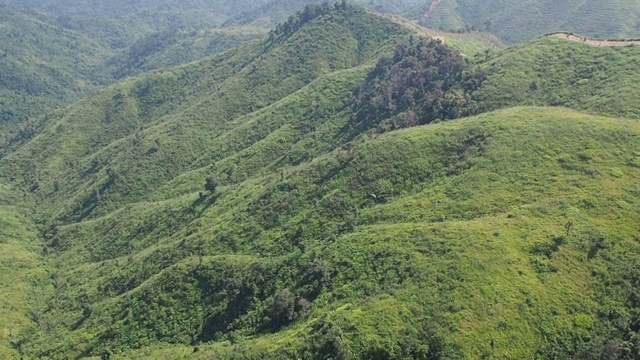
[(556, 72)]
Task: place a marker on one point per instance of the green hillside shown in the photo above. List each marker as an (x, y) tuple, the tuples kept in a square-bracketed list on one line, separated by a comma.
[(517, 21), (264, 203), (269, 14), (123, 21), (170, 48), (557, 72), (503, 251), (23, 274), (43, 65), (491, 236)]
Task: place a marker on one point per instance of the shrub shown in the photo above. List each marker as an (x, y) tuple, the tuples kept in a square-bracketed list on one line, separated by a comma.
[(211, 184)]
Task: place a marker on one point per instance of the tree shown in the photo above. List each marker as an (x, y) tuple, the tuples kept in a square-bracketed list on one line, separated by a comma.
[(211, 184), (281, 311)]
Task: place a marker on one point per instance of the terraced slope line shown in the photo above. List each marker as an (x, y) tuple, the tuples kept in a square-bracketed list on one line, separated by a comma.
[(594, 42)]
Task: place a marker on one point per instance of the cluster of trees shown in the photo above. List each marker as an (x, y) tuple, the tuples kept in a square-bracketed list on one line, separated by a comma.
[(310, 12), (424, 81)]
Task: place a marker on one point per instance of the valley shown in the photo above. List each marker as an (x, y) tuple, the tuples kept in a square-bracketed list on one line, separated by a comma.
[(343, 185)]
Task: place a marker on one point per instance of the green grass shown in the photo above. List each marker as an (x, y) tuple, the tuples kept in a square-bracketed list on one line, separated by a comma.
[(511, 234), (515, 21), (448, 254), (556, 72)]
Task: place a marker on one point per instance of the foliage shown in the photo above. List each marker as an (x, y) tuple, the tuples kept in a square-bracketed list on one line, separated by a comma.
[(511, 234), (23, 273), (424, 81), (42, 65), (211, 184), (173, 47)]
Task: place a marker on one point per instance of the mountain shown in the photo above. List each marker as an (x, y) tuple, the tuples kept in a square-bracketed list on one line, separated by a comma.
[(467, 250), (342, 188), (517, 21), (169, 48), (124, 21), (43, 65), (47, 65), (269, 14), (558, 72), (56, 52)]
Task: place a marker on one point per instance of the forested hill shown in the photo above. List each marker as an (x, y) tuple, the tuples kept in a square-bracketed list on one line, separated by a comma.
[(273, 12), (516, 21), (120, 23), (56, 52), (43, 64), (50, 62), (125, 20), (341, 188)]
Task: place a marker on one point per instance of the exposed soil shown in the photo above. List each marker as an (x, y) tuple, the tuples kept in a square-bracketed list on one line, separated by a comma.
[(431, 8), (595, 42)]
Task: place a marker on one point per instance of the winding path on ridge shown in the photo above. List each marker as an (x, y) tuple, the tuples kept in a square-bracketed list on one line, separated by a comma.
[(594, 42)]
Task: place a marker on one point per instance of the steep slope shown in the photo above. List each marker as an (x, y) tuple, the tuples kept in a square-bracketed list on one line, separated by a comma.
[(245, 206), (235, 96), (512, 234), (43, 65), (517, 21), (175, 116), (122, 22), (557, 72), (23, 271), (173, 47), (47, 65)]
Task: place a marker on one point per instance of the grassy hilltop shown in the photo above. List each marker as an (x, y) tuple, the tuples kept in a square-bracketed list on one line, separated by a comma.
[(516, 21), (341, 188)]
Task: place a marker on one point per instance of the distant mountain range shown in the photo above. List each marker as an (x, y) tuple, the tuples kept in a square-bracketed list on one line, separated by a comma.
[(516, 21)]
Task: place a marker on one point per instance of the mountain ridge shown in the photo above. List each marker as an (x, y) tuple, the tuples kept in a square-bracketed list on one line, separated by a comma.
[(514, 22), (250, 204)]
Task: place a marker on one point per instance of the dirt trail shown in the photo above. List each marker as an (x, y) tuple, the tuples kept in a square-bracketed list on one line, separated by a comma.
[(431, 8), (595, 42)]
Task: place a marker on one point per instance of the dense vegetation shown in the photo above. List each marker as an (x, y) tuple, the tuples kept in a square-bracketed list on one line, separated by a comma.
[(65, 50), (274, 12), (515, 21), (174, 47), (122, 22), (424, 81), (30, 83), (257, 204), (46, 65)]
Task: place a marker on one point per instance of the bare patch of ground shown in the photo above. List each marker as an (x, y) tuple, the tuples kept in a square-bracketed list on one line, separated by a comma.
[(595, 42)]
